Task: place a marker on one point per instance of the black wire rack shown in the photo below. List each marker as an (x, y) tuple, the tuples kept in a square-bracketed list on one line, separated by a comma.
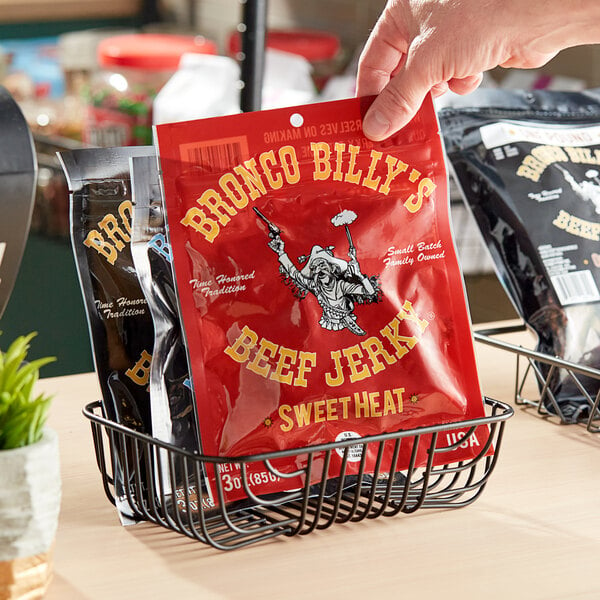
[(153, 470), (541, 370)]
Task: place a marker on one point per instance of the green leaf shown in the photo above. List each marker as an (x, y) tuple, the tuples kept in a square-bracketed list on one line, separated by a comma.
[(27, 373), (22, 416), (13, 358)]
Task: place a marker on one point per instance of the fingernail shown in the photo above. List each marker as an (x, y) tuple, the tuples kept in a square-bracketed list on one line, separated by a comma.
[(375, 125)]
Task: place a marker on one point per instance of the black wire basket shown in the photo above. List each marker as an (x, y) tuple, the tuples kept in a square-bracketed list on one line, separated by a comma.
[(541, 369), (153, 470)]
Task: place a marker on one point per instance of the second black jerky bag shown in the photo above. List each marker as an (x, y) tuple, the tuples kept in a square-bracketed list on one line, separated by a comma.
[(528, 167), (172, 401), (120, 324)]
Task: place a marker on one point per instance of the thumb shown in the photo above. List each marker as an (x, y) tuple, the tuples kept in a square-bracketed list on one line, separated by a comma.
[(398, 102)]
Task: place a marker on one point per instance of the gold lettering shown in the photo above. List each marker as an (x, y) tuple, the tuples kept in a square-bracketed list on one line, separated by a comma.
[(398, 392), (240, 350), (424, 190), (111, 228), (212, 200), (353, 176), (394, 167), (140, 372), (302, 413), (374, 348), (562, 219), (345, 400), (338, 377), (414, 175), (361, 404), (289, 163), (251, 178), (581, 156), (125, 211), (549, 154), (95, 240), (266, 350), (391, 333), (265, 159), (408, 313), (353, 355), (287, 358), (307, 361), (534, 164), (528, 173), (388, 404), (331, 409), (322, 167), (197, 220), (368, 181), (319, 411), (339, 151), (234, 191), (283, 410), (374, 404), (367, 405), (576, 226)]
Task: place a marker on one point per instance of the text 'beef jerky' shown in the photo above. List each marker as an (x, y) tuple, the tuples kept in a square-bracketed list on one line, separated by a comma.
[(528, 166), (318, 283)]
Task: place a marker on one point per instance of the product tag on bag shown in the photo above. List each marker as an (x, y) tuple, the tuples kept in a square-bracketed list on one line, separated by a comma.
[(318, 283)]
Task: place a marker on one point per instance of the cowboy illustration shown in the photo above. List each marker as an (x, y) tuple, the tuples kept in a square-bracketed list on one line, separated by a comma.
[(587, 189), (337, 284)]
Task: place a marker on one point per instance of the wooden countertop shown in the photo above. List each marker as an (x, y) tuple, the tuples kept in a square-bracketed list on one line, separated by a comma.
[(534, 532)]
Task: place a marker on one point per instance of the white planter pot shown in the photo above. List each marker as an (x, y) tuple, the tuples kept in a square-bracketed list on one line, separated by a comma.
[(30, 493)]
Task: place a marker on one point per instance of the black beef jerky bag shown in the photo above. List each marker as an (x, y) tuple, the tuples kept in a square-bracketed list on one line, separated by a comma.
[(173, 417), (171, 398), (119, 321), (528, 166)]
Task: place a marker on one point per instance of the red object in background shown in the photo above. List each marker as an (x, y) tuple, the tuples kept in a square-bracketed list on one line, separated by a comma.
[(134, 68), (321, 49), (311, 44), (368, 332), (151, 51)]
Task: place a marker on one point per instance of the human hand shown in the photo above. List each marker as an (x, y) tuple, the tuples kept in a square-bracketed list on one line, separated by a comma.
[(422, 46), (277, 245), (353, 268)]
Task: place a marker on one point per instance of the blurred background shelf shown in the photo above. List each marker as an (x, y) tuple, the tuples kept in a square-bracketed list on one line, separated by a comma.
[(47, 298)]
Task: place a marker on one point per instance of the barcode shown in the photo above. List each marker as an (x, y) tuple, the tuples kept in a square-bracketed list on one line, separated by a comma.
[(575, 288), (215, 156)]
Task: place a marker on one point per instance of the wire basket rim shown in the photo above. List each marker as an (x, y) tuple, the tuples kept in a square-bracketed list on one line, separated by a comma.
[(496, 405), (485, 336)]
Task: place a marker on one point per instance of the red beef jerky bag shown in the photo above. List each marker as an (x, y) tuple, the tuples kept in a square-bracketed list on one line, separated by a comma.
[(318, 283), (527, 164)]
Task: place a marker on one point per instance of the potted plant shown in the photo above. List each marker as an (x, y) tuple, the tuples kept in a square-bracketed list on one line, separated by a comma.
[(30, 474)]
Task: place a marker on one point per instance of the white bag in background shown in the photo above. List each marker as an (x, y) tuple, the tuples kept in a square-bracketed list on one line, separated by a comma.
[(203, 86), (288, 80)]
